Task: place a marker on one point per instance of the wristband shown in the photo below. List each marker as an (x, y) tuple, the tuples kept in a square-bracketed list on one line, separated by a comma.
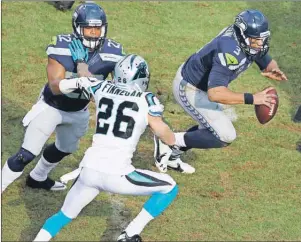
[(81, 61), (249, 99)]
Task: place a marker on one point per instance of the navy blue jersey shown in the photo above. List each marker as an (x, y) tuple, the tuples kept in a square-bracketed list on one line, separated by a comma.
[(219, 62), (101, 63)]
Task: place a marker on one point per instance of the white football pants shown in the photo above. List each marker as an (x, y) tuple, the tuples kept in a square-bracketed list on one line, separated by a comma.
[(42, 120), (208, 114), (90, 183)]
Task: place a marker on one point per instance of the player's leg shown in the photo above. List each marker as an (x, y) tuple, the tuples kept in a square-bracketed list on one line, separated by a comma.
[(83, 191), (165, 158), (38, 177), (68, 134), (161, 187), (215, 129), (41, 121)]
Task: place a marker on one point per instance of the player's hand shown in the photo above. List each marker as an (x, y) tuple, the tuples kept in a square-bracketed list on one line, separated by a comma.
[(84, 84), (264, 98), (78, 52), (275, 74)]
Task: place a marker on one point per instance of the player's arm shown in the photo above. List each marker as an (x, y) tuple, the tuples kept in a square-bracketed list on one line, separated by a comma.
[(218, 92), (223, 95), (270, 68), (55, 73), (161, 130), (155, 122), (273, 72), (219, 78)]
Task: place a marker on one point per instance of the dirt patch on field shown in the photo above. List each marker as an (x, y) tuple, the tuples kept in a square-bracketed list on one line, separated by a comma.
[(117, 221)]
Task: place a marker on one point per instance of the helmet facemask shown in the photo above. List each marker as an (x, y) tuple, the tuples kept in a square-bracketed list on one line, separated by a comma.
[(92, 42), (262, 49)]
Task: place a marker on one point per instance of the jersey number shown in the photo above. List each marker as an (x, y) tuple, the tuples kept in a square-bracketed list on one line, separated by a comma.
[(119, 118), (65, 37), (113, 43)]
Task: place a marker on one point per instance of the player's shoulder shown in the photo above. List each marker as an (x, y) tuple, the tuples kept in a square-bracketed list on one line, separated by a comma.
[(59, 45), (61, 40), (229, 52), (111, 50)]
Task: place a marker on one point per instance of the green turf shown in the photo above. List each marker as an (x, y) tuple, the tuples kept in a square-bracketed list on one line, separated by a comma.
[(250, 190)]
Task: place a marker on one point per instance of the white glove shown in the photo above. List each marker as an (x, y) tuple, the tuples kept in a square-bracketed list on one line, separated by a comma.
[(85, 84)]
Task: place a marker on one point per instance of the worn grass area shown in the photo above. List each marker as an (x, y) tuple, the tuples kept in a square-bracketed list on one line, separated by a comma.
[(248, 191)]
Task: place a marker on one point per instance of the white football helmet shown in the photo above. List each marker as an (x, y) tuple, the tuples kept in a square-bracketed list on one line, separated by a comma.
[(132, 72)]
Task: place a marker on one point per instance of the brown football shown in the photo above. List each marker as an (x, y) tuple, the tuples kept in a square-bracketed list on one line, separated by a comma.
[(263, 113)]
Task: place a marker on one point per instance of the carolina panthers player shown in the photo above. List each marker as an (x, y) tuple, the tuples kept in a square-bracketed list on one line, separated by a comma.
[(201, 85), (66, 114), (123, 112)]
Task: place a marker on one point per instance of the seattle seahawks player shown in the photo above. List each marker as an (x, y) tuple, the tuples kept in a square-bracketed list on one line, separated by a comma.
[(201, 85), (66, 114), (123, 112)]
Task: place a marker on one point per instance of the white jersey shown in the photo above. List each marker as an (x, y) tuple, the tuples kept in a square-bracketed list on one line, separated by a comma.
[(121, 118)]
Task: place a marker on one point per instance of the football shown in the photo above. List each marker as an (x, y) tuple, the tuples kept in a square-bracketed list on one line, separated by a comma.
[(265, 114)]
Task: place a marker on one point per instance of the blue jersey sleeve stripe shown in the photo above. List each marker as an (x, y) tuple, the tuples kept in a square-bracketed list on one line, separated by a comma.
[(58, 51)]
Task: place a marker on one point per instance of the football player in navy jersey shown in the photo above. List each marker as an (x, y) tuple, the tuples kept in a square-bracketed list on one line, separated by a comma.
[(201, 86), (67, 115)]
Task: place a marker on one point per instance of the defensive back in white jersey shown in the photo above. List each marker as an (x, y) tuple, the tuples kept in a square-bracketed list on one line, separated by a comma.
[(121, 118)]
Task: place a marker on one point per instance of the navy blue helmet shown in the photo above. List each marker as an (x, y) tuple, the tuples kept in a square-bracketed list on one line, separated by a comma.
[(89, 14), (252, 24)]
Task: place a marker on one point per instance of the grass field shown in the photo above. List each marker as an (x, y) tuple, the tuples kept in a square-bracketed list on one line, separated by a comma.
[(250, 190)]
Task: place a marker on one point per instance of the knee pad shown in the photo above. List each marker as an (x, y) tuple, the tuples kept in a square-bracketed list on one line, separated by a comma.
[(53, 155), (18, 161), (229, 136)]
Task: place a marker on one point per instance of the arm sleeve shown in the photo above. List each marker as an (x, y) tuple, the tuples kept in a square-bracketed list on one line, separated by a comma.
[(263, 62)]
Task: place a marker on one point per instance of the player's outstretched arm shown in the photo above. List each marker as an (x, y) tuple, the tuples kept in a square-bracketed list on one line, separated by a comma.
[(55, 73), (225, 96), (273, 72), (161, 130)]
